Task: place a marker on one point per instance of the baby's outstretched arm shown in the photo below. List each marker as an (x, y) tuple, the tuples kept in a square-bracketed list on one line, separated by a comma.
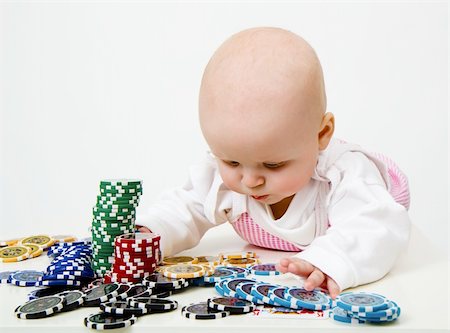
[(314, 276)]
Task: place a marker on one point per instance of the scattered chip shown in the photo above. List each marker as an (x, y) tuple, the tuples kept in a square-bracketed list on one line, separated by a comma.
[(179, 260), (40, 307), (312, 300), (233, 305), (202, 311), (35, 250), (184, 271), (122, 308), (27, 278), (104, 321), (14, 253), (153, 304), (43, 241), (264, 269), (240, 262)]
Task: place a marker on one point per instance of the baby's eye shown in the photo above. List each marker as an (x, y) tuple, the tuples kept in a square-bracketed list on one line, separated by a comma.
[(232, 163), (273, 165)]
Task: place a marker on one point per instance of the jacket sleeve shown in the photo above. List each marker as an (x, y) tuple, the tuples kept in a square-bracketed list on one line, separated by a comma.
[(182, 216), (367, 230)]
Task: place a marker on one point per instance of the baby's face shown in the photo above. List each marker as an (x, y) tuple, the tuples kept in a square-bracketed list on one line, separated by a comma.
[(261, 119)]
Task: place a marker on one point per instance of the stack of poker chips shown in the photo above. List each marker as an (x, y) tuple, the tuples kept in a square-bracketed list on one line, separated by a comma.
[(135, 257), (364, 307), (113, 215)]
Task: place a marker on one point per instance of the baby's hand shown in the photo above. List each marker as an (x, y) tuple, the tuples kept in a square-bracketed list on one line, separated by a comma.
[(314, 276)]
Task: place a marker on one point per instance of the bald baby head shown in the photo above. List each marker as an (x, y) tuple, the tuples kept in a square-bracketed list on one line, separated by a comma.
[(260, 75)]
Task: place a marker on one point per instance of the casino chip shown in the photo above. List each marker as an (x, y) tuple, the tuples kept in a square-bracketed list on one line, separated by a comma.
[(73, 300), (233, 305), (153, 304), (157, 280), (35, 250), (42, 241), (362, 302), (243, 291), (342, 316), (260, 291), (104, 321), (202, 311), (230, 285), (277, 297), (264, 269), (5, 277), (14, 253), (179, 260), (219, 274), (212, 261), (312, 300), (40, 307), (27, 278), (100, 294), (122, 308), (240, 262), (184, 271)]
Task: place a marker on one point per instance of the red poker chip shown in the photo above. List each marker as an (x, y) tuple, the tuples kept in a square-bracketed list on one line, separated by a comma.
[(126, 246), (126, 280), (135, 257), (138, 263), (138, 238), (134, 254), (117, 268), (118, 275)]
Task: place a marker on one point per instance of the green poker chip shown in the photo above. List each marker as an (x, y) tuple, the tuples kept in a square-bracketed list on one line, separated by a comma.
[(120, 182), (117, 200), (118, 210), (121, 192)]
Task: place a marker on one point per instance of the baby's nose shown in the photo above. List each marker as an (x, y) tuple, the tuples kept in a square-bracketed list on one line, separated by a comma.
[(251, 179)]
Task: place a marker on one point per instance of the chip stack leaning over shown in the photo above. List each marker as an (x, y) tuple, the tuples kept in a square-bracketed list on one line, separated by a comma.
[(113, 215)]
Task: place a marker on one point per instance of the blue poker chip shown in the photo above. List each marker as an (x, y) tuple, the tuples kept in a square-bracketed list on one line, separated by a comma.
[(51, 283), (362, 302), (243, 291), (200, 282), (264, 269), (277, 296), (26, 278), (342, 316), (392, 310), (5, 277), (219, 274), (229, 286), (240, 271), (311, 300), (261, 291), (219, 287)]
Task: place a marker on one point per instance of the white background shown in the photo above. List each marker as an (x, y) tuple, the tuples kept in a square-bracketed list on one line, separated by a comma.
[(96, 89)]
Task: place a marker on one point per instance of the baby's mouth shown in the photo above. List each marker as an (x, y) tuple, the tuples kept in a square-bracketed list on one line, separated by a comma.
[(260, 197)]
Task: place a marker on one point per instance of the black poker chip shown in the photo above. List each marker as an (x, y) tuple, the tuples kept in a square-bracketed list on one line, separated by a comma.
[(101, 293), (40, 307), (232, 304), (153, 304), (157, 280), (139, 290), (105, 321), (123, 308), (74, 299), (202, 311)]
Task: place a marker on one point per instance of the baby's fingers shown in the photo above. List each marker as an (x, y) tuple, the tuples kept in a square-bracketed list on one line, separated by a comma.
[(314, 280)]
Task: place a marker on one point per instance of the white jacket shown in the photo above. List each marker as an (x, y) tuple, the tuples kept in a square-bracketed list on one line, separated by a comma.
[(366, 233)]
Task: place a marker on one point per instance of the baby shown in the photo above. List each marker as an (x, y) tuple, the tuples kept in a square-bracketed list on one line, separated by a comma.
[(276, 173)]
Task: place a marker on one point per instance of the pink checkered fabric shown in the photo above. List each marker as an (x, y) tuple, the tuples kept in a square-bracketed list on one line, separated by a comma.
[(251, 232)]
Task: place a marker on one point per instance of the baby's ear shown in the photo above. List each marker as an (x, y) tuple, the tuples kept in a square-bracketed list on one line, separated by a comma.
[(326, 130)]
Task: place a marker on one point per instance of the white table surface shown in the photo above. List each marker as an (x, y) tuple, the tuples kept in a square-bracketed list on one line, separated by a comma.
[(420, 277)]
